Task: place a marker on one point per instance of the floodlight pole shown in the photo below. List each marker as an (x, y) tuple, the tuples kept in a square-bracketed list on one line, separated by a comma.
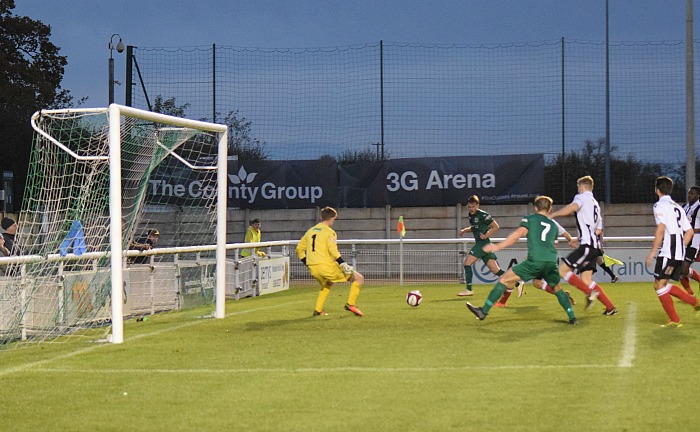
[(689, 98), (120, 48)]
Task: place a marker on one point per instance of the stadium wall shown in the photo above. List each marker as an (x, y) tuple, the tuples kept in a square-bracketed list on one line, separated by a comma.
[(380, 223)]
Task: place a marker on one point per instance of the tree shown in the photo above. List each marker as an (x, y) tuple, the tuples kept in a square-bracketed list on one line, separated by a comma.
[(31, 71), (169, 107), (351, 156), (241, 142), (632, 181)]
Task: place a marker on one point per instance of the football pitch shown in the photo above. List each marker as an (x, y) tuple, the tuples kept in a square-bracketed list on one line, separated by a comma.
[(271, 366)]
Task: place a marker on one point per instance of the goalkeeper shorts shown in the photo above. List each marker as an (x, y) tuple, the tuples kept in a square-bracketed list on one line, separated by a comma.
[(330, 272)]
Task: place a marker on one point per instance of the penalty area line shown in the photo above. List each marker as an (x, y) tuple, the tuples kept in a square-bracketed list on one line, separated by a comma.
[(629, 342)]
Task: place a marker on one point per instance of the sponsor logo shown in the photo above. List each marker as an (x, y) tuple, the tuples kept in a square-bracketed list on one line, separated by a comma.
[(243, 189), (410, 181)]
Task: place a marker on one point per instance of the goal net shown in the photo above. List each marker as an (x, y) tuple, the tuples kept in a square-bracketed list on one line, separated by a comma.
[(79, 264)]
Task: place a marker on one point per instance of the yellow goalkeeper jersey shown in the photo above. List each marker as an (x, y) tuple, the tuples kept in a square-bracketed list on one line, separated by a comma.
[(318, 245)]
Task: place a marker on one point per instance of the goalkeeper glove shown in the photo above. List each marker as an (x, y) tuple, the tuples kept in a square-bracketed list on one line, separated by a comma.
[(347, 268), (261, 254)]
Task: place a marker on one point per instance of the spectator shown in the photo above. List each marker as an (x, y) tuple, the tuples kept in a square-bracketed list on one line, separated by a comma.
[(253, 235), (10, 227), (145, 244)]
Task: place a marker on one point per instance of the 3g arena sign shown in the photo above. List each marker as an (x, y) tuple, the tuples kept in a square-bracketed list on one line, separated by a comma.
[(409, 181), (444, 181)]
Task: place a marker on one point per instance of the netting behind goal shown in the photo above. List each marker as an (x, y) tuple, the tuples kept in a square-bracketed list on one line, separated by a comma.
[(73, 229)]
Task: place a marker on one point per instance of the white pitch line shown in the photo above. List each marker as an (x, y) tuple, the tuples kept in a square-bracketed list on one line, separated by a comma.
[(321, 370), (629, 343), (38, 364)]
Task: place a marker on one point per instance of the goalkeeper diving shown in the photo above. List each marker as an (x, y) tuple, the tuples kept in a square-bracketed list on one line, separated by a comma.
[(318, 250)]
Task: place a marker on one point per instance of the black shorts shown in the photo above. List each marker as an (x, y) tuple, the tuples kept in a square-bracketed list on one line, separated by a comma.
[(583, 258), (667, 269), (690, 254)]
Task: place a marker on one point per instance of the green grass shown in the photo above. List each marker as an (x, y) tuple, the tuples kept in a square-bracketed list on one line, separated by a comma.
[(270, 366)]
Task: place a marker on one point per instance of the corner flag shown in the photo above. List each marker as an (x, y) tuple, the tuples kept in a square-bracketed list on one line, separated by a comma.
[(609, 261), (401, 228)]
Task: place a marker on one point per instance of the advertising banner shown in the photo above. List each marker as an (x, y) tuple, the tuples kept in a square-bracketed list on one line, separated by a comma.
[(512, 179), (634, 268), (282, 184), (434, 181), (273, 275)]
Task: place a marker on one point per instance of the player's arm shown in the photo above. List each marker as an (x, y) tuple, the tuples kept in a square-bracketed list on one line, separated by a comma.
[(493, 227), (301, 249), (465, 230), (688, 236), (565, 211), (658, 238), (512, 238)]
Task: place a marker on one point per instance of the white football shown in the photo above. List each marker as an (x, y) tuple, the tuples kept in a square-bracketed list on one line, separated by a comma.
[(414, 298)]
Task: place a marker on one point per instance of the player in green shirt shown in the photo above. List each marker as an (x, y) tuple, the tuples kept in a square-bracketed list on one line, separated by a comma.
[(541, 262), (483, 226)]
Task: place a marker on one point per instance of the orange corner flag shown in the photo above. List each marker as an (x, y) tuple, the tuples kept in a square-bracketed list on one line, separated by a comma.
[(401, 228)]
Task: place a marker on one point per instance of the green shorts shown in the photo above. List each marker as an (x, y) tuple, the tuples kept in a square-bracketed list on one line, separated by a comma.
[(529, 269), (478, 252)]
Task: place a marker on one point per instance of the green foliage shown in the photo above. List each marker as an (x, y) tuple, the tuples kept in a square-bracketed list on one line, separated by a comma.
[(630, 177), (271, 366), (31, 71), (169, 107), (241, 141), (351, 156)]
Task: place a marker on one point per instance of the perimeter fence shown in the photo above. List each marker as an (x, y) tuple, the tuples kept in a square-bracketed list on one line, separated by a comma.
[(390, 100)]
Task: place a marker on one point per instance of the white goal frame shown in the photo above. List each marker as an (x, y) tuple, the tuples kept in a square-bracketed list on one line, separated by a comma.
[(115, 112), (115, 208)]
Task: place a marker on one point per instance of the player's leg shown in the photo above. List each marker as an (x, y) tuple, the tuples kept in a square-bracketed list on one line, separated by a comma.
[(514, 274), (468, 274), (492, 264), (663, 271), (322, 296), (496, 292), (356, 281), (587, 278), (686, 272), (544, 286)]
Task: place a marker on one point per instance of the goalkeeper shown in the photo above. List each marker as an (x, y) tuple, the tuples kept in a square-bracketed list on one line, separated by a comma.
[(318, 249), (253, 235)]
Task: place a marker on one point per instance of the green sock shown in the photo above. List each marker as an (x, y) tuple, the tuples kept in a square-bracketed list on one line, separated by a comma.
[(565, 303), (468, 276), (494, 296)]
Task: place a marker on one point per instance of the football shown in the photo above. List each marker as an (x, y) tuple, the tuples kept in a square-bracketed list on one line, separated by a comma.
[(414, 298)]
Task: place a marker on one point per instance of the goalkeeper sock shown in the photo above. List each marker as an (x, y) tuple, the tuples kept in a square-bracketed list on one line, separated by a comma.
[(565, 303), (321, 299), (468, 276), (494, 295), (354, 293)]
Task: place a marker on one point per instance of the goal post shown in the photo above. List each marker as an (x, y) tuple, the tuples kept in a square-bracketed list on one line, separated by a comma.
[(115, 208), (96, 177)]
